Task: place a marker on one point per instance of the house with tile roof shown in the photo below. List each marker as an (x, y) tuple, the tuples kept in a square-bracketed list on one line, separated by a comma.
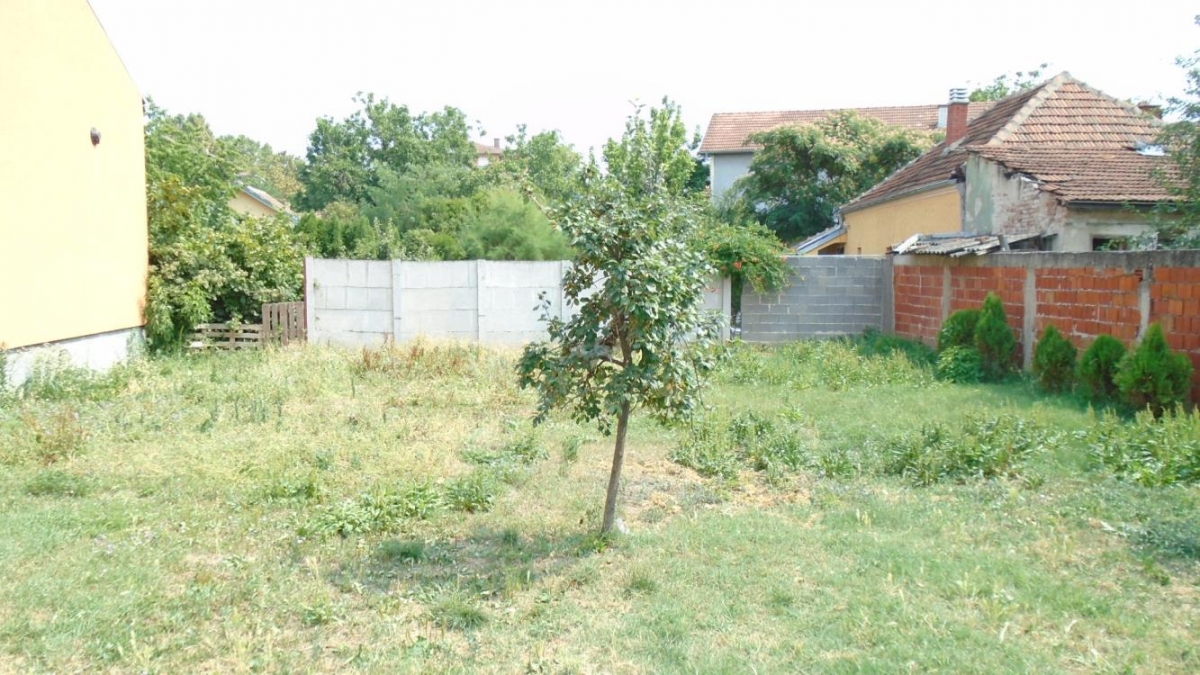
[(486, 154), (1062, 161), (729, 149)]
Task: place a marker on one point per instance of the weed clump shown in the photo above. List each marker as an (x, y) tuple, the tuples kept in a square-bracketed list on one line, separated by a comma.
[(995, 340), (1153, 376), (715, 448), (1149, 451), (1054, 361), (473, 493), (960, 365), (1098, 367), (983, 447)]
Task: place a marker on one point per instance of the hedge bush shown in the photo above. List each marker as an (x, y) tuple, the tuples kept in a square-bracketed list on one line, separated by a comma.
[(960, 365), (1153, 376), (995, 341), (1099, 365), (1054, 361), (958, 330)]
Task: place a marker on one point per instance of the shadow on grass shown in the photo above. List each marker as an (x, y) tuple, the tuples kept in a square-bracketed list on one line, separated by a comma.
[(487, 563)]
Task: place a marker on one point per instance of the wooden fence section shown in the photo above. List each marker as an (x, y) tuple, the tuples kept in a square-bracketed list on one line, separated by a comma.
[(283, 323), (225, 336)]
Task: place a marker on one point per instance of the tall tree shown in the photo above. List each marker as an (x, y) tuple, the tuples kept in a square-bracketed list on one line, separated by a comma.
[(345, 157), (544, 161), (1178, 220), (259, 166), (804, 173), (1009, 83), (641, 337)]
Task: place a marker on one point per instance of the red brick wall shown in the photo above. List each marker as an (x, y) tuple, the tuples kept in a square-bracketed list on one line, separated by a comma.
[(1083, 301), (918, 302)]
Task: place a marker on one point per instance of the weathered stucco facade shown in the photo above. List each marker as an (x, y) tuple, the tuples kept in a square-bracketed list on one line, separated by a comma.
[(999, 201)]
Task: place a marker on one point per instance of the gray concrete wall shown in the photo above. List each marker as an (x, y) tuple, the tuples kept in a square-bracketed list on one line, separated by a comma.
[(361, 303), (829, 296), (726, 169), (348, 302)]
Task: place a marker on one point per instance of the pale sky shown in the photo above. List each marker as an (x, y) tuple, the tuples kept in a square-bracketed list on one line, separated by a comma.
[(269, 68)]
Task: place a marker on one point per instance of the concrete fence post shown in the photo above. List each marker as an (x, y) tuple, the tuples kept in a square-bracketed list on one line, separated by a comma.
[(1029, 320), (1144, 287)]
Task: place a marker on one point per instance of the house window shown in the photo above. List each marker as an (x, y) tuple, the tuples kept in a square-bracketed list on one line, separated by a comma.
[(1110, 243)]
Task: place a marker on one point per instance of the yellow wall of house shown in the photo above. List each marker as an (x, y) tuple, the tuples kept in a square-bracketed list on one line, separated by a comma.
[(244, 203), (872, 230), (73, 238)]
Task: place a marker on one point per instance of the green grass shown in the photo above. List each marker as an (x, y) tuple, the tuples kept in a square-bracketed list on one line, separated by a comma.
[(325, 511)]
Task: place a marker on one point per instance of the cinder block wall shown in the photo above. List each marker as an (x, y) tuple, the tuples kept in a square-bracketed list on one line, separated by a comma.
[(829, 296)]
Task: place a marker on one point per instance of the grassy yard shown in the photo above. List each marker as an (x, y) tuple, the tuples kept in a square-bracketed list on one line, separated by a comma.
[(317, 510)]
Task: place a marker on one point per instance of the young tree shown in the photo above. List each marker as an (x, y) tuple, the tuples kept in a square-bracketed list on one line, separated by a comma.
[(641, 337), (655, 152)]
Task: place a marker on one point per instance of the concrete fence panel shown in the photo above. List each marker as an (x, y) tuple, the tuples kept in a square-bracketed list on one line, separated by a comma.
[(362, 303)]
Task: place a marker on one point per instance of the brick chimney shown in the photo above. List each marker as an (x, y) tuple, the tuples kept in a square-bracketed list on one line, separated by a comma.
[(956, 116)]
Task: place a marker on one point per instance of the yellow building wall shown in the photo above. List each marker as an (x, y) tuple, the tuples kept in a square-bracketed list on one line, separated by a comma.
[(245, 204), (73, 237), (872, 230)]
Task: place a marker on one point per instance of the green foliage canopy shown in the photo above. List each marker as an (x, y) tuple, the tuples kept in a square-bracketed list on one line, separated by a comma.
[(1178, 220), (1007, 84), (804, 173)]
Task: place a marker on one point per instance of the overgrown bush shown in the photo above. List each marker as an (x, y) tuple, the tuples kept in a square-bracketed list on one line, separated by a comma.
[(1054, 361), (983, 447), (960, 365), (878, 343), (1098, 367), (715, 447), (1153, 376), (995, 341), (958, 330), (1149, 451)]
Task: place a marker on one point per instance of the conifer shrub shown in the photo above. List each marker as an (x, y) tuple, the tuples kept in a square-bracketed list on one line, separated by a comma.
[(1054, 361), (958, 330), (1153, 376), (1098, 367), (995, 341)]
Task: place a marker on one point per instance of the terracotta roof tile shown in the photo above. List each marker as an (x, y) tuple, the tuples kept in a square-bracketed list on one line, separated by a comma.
[(730, 132), (1077, 141)]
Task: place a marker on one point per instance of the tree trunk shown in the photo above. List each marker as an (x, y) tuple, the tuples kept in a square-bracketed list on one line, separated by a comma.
[(614, 478)]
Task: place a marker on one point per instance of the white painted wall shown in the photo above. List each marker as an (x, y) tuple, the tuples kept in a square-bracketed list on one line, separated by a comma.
[(361, 303), (726, 169), (95, 352)]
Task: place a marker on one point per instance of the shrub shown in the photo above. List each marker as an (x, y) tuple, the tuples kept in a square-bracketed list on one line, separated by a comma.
[(1149, 451), (995, 341), (474, 493), (1153, 376), (1054, 361), (877, 343), (984, 447), (958, 330), (960, 365), (1098, 368)]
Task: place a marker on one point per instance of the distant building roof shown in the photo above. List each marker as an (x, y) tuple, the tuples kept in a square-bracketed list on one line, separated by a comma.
[(955, 245), (266, 200), (489, 150), (820, 239), (1077, 142), (730, 132)]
